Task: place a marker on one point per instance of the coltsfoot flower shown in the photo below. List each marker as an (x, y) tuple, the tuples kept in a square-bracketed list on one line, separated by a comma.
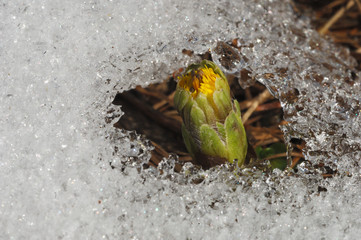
[(212, 128)]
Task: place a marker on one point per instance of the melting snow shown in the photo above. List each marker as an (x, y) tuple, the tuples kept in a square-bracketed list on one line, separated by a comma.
[(62, 62)]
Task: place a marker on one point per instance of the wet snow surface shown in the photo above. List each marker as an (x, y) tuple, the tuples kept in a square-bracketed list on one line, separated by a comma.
[(62, 62)]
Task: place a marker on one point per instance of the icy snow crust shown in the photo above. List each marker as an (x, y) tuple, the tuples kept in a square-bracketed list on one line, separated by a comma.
[(62, 62)]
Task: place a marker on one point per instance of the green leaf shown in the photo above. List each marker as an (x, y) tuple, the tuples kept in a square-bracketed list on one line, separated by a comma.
[(280, 163), (222, 103), (263, 153), (204, 104), (181, 97), (237, 107), (235, 138), (186, 113), (197, 117), (221, 83), (221, 130), (189, 142), (211, 143), (279, 147), (258, 151), (275, 148)]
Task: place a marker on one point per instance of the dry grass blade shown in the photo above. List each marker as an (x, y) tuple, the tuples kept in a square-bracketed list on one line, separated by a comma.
[(149, 93), (160, 150), (264, 96), (185, 159), (268, 106), (295, 161), (293, 154), (160, 104), (157, 154), (323, 30), (335, 4), (151, 113)]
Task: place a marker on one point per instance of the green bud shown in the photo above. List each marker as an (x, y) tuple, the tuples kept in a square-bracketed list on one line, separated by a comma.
[(212, 127)]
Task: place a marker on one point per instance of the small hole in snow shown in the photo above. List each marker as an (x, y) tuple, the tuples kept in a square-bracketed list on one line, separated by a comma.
[(150, 112)]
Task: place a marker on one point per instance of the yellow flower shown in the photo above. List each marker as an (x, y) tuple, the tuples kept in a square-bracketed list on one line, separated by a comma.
[(202, 80)]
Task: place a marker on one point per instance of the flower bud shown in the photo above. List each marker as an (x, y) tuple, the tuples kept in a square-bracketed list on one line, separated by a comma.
[(212, 128)]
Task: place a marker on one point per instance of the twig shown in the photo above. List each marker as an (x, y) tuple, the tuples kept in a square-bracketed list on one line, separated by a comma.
[(293, 154), (157, 154), (245, 104), (327, 175), (171, 113), (160, 150), (295, 161), (151, 113), (264, 96), (323, 30), (268, 106), (185, 159), (160, 104), (146, 92), (265, 142), (252, 120), (334, 4), (171, 98)]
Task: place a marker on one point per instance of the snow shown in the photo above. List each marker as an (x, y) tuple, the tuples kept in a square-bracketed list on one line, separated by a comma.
[(62, 63)]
